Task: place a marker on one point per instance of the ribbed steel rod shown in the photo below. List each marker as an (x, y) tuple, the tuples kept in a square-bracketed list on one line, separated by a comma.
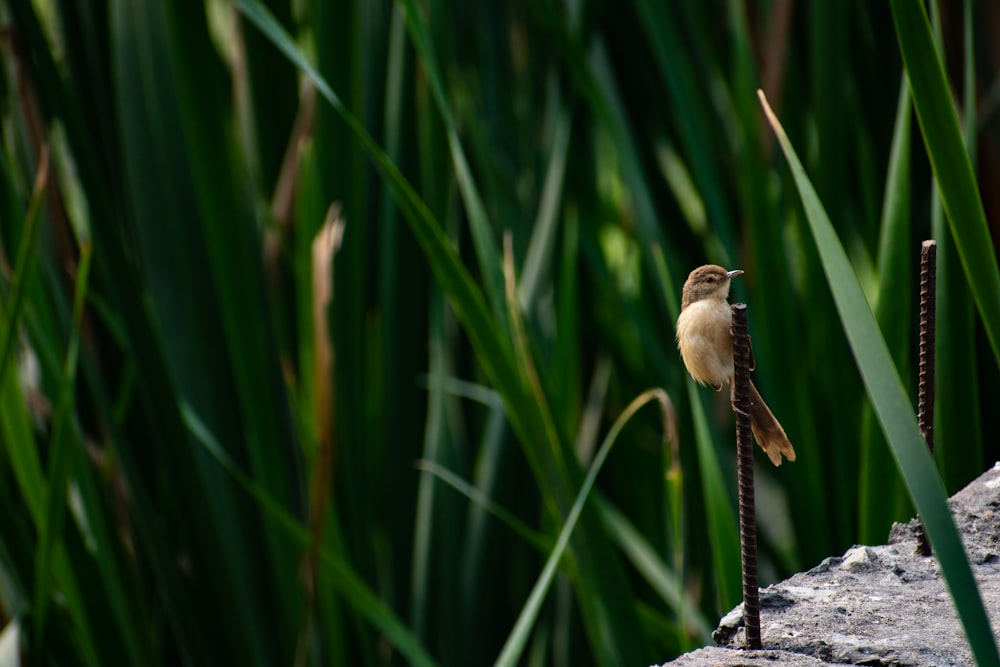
[(928, 312), (925, 385), (744, 459)]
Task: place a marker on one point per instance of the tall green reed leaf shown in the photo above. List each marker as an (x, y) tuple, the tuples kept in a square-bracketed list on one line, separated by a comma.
[(878, 503), (722, 526), (60, 459), (482, 233), (538, 260), (950, 160), (494, 352), (435, 447), (603, 594), (355, 591), (958, 414), (661, 577), (894, 412), (467, 300), (518, 638), (52, 567), (696, 133), (191, 330), (15, 427), (24, 264), (523, 530), (71, 476)]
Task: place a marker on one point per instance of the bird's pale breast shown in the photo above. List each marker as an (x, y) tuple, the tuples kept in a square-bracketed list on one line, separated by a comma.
[(706, 342)]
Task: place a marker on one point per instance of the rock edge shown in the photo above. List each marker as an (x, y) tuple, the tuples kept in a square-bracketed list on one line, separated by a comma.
[(875, 605)]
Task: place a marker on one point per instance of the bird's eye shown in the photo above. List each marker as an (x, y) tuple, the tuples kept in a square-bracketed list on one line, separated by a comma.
[(711, 279)]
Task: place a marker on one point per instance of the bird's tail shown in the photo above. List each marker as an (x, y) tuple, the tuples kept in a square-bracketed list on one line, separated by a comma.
[(768, 432)]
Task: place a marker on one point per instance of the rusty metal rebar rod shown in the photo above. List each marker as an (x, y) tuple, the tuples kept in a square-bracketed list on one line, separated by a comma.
[(744, 458), (925, 386), (928, 312)]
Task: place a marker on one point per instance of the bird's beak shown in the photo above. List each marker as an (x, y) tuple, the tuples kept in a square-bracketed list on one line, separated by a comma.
[(734, 273)]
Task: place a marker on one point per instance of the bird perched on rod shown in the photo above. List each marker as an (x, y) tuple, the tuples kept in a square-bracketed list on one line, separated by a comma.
[(705, 340)]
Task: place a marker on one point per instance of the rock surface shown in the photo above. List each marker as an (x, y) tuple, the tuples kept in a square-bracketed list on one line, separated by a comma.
[(883, 605)]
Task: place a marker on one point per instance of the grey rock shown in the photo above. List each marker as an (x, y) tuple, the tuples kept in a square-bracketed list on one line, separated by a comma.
[(875, 605), (725, 657)]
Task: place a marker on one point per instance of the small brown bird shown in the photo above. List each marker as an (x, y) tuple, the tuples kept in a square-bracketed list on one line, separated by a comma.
[(706, 344)]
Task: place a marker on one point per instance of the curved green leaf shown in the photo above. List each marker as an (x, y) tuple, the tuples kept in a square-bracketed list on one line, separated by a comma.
[(893, 409), (518, 639)]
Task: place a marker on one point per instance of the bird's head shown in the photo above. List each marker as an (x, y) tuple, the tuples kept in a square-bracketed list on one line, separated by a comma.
[(707, 282)]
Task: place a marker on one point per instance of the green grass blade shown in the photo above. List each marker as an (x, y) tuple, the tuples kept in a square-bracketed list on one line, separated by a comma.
[(92, 651), (436, 439), (523, 530), (355, 591), (543, 235), (565, 366), (20, 448), (468, 302), (958, 434), (530, 421), (131, 620), (894, 412), (192, 329), (232, 244), (880, 486), (514, 646), (53, 571), (950, 160), (827, 23), (723, 529), (60, 461), (958, 414), (656, 572), (15, 427), (482, 233), (600, 595), (696, 133), (24, 264)]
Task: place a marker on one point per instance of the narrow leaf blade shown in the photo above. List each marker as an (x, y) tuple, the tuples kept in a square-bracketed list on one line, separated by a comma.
[(893, 410)]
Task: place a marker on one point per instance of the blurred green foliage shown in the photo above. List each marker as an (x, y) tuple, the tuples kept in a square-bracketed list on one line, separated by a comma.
[(205, 458)]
